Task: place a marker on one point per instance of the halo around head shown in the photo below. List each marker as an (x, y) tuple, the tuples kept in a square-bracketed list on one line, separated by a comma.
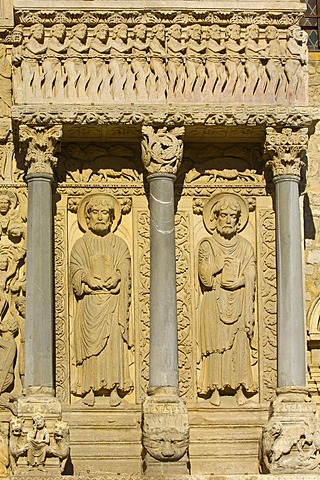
[(209, 222), (12, 197), (82, 209)]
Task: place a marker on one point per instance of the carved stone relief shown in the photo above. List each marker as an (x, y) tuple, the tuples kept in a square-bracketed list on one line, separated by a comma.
[(13, 289), (227, 273), (101, 278), (164, 62), (33, 446)]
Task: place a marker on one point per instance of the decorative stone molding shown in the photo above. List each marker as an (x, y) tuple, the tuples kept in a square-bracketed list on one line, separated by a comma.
[(291, 438), (229, 115), (41, 144), (165, 430), (153, 17), (286, 149), (162, 149)]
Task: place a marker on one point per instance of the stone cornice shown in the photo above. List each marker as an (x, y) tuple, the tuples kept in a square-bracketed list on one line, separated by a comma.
[(172, 114)]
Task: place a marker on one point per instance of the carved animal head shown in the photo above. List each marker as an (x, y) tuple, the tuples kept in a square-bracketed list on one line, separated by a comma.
[(16, 426), (61, 431)]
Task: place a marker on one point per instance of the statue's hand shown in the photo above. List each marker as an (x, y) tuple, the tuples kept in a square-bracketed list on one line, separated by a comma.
[(112, 282), (93, 283), (232, 285)]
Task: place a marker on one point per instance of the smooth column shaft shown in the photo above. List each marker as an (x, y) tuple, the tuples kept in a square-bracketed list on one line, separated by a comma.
[(291, 320), (39, 301), (163, 309)]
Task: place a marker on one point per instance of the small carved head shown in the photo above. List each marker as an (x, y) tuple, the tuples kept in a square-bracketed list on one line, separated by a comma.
[(61, 430), (16, 426), (59, 31), (271, 32), (233, 31), (80, 31), (252, 32), (4, 262), (195, 32), (5, 204), (175, 31), (37, 32), (159, 31), (17, 35), (121, 31), (215, 32), (140, 31), (227, 214), (100, 215), (38, 420), (102, 32)]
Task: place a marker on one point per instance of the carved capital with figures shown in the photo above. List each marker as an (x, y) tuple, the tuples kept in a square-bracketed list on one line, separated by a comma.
[(41, 144), (162, 149), (285, 149)]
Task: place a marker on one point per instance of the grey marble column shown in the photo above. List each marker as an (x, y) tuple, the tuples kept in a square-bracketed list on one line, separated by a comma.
[(163, 299), (41, 144), (286, 149), (39, 273), (291, 321)]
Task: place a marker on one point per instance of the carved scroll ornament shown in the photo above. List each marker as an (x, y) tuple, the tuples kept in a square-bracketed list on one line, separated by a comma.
[(162, 149), (286, 149)]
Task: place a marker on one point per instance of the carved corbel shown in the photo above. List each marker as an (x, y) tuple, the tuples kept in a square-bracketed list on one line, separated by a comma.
[(162, 149), (165, 432), (40, 144), (285, 149)]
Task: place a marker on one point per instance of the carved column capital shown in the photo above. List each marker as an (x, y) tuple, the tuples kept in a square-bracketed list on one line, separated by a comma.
[(41, 144), (162, 149), (284, 150)]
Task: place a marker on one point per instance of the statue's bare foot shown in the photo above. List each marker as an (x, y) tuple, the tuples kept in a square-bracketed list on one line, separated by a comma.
[(215, 398), (115, 400), (240, 397), (89, 399)]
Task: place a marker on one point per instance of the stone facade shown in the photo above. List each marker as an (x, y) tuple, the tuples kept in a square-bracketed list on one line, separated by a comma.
[(156, 162)]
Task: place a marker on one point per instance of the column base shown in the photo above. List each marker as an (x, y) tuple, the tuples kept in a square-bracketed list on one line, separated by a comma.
[(291, 438), (165, 433), (39, 440)]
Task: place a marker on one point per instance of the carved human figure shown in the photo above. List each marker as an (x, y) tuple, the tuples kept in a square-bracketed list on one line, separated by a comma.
[(8, 214), (53, 70), (216, 73), (195, 71), (100, 275), (297, 55), (176, 48), (139, 63), (234, 67), (8, 350), (227, 276), (97, 69), (74, 65), (17, 39), (276, 87), (122, 79), (20, 303), (32, 73), (256, 82), (5, 82), (38, 440), (158, 79)]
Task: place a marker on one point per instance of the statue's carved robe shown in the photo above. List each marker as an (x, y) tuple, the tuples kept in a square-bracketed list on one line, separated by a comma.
[(101, 327), (226, 316)]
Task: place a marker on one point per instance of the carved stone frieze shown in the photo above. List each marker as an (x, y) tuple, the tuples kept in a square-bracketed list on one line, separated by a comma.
[(40, 145), (162, 149), (230, 115), (184, 62), (286, 149)]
